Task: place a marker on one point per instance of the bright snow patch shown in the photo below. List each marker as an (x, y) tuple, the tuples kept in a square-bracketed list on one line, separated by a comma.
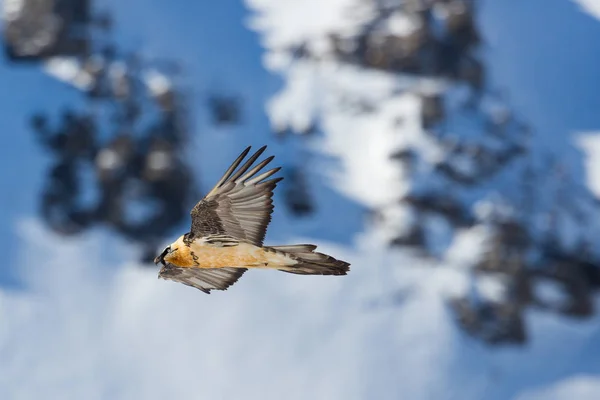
[(590, 6)]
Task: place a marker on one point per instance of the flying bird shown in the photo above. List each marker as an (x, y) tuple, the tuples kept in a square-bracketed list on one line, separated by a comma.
[(228, 228)]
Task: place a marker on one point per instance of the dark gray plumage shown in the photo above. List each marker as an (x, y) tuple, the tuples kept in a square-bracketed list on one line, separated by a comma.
[(240, 204), (205, 279)]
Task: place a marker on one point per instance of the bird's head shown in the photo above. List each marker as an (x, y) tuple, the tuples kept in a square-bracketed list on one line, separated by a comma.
[(177, 253)]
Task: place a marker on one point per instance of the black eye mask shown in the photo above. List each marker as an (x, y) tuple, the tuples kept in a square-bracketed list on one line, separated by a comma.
[(161, 257)]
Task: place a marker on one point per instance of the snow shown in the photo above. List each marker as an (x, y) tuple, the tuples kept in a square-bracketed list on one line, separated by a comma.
[(582, 387), (157, 83), (325, 94), (91, 329), (89, 323), (69, 70), (366, 116), (589, 143), (291, 23), (116, 330), (550, 293), (12, 9), (590, 6), (467, 247)]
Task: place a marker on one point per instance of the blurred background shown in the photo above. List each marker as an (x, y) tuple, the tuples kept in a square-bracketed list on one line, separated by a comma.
[(448, 149)]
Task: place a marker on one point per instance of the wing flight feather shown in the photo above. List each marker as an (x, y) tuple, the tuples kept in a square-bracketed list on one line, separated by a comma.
[(204, 279), (240, 204)]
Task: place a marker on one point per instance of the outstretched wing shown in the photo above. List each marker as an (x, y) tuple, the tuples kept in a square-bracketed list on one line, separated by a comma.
[(205, 279), (240, 204)]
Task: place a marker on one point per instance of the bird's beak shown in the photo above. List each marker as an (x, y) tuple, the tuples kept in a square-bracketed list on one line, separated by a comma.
[(161, 258)]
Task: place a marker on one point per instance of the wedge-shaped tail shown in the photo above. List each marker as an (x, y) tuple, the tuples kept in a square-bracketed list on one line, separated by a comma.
[(309, 261)]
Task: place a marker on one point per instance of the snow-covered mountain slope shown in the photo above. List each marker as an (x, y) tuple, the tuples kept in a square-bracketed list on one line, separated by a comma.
[(86, 329), (401, 93), (90, 324)]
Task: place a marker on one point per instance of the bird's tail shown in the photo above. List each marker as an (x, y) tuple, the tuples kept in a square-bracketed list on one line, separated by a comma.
[(309, 261)]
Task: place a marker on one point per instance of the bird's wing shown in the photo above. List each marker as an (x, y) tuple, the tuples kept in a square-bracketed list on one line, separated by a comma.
[(240, 204), (205, 279)]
